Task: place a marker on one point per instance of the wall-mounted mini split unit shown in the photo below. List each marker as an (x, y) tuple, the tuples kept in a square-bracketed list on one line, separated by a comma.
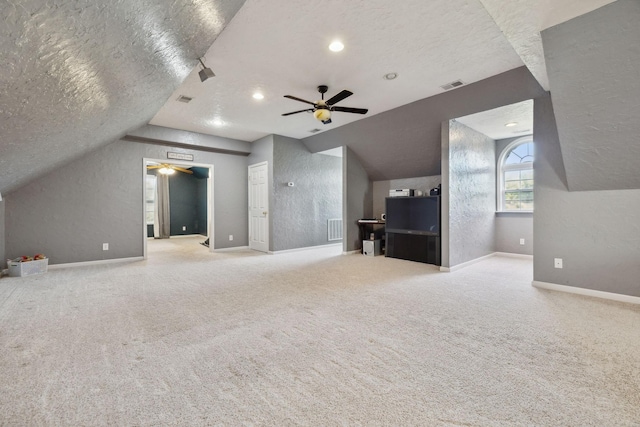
[(452, 85)]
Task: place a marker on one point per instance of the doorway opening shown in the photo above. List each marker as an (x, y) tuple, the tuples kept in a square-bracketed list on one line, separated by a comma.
[(177, 202)]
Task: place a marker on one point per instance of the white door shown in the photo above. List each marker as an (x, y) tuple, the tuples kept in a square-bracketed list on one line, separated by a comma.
[(259, 207)]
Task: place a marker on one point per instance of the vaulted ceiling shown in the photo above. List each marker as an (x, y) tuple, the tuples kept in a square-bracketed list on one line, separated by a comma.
[(77, 75)]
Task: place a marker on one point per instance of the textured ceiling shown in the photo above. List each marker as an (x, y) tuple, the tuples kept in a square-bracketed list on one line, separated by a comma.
[(492, 122), (75, 75), (78, 74)]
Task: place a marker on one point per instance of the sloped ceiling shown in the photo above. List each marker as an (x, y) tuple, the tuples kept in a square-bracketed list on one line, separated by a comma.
[(78, 74), (593, 65)]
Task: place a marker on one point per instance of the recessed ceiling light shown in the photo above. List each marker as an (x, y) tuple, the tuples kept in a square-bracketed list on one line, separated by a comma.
[(336, 46), (511, 124), (217, 122), (390, 76), (258, 95)]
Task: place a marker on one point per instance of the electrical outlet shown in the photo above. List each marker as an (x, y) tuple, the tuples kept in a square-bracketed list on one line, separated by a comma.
[(557, 262), (105, 246), (184, 228), (522, 241), (230, 236)]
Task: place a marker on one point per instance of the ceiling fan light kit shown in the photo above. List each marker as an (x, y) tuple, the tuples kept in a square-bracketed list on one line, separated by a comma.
[(322, 109)]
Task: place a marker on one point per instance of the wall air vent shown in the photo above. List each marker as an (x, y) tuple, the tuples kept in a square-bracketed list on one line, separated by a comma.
[(184, 99), (452, 85), (315, 130)]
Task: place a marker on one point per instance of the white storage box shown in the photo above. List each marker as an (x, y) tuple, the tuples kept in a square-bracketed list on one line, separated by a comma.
[(28, 268)]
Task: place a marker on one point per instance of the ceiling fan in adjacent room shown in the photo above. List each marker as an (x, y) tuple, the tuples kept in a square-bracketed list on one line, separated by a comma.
[(322, 109), (167, 169)]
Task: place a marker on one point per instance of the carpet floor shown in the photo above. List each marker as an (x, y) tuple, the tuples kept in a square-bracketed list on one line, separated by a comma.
[(311, 338)]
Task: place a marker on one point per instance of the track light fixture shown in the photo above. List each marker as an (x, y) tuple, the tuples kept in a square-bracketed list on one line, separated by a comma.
[(206, 72)]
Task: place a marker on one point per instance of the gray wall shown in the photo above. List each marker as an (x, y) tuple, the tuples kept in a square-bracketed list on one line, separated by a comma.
[(511, 227), (596, 233), (183, 198), (300, 213), (99, 198), (2, 251), (381, 189), (262, 151), (472, 194), (357, 199), (592, 63)]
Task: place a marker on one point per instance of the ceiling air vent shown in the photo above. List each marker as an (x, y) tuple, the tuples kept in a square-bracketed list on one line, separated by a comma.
[(452, 85), (184, 99), (315, 130)]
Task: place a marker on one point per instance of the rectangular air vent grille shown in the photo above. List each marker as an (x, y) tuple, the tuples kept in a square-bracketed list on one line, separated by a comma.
[(315, 130), (334, 227), (184, 99), (452, 85)]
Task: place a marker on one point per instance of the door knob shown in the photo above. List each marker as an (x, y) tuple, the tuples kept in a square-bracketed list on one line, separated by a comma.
[(264, 212)]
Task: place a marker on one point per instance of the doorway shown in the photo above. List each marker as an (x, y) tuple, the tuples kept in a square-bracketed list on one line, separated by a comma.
[(204, 192), (259, 207)]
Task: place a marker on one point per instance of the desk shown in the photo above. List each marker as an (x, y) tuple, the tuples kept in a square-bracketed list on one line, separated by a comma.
[(368, 226)]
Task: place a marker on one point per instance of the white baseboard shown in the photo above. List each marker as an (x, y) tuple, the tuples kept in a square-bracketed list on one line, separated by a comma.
[(586, 292), (357, 251), (97, 262), (467, 263), (512, 255), (285, 251), (233, 249)]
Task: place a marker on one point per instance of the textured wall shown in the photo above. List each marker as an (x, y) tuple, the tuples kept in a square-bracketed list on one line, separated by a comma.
[(472, 194), (79, 74), (357, 199), (381, 189), (2, 257), (300, 213), (262, 151), (99, 198), (596, 233), (593, 62)]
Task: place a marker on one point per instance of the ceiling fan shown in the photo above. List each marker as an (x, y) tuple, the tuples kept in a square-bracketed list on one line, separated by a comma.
[(322, 109), (167, 169)]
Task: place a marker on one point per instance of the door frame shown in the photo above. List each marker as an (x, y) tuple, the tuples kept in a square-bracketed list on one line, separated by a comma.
[(210, 200), (265, 163)]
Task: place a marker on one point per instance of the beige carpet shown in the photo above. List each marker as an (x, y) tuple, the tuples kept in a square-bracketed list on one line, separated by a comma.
[(310, 338)]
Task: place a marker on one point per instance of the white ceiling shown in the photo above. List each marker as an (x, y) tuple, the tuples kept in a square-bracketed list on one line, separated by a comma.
[(493, 122), (279, 47)]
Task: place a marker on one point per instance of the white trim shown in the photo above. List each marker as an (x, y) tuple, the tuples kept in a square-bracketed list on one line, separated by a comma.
[(182, 236), (466, 264), (357, 251), (232, 249), (285, 251), (500, 171), (514, 255), (97, 262), (210, 195), (586, 292)]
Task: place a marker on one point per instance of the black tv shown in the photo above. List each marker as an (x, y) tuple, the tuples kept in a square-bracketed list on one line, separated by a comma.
[(413, 215)]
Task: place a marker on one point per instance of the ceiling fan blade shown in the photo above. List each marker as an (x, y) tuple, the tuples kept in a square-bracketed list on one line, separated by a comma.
[(178, 168), (350, 110), (296, 112), (299, 99), (154, 166), (339, 97)]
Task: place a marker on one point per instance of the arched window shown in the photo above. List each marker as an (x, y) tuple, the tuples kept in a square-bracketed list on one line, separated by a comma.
[(515, 182)]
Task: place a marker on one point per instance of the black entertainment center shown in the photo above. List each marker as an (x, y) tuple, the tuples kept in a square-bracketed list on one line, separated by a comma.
[(413, 228)]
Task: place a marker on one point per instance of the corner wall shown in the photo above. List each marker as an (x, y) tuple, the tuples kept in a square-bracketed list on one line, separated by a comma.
[(357, 196), (3, 259), (596, 233), (300, 213), (97, 199), (471, 188)]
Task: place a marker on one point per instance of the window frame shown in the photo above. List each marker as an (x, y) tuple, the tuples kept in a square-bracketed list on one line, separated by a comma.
[(502, 168)]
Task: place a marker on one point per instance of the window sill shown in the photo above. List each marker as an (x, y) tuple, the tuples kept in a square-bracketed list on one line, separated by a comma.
[(515, 213)]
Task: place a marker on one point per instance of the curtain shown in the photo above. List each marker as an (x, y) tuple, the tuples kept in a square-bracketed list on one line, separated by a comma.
[(161, 223)]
